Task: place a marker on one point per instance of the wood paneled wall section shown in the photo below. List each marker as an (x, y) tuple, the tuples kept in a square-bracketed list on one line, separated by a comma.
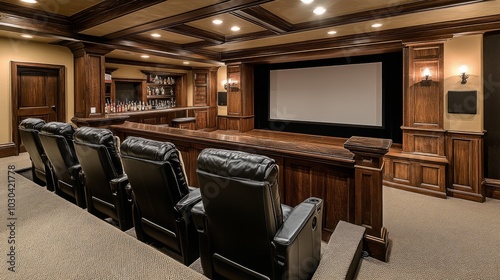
[(421, 165), (205, 94), (240, 98), (465, 171)]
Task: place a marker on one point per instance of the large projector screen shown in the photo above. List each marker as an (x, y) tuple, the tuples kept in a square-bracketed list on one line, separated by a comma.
[(341, 94)]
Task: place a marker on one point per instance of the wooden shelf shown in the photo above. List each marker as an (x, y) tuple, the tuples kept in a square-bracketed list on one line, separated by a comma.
[(163, 96)]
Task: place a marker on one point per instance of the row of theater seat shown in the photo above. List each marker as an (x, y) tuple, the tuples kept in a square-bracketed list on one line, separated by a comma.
[(234, 222)]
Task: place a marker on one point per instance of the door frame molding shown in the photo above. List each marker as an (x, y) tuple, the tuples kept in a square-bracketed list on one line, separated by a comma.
[(61, 94)]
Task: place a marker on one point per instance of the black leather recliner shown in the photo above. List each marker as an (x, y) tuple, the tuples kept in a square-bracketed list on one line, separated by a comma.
[(162, 199), (40, 165), (105, 182), (57, 141), (244, 231)]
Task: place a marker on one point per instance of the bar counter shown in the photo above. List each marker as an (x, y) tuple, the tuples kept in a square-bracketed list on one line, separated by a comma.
[(309, 165)]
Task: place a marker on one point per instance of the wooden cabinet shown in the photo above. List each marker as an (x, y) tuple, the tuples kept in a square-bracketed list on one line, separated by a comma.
[(205, 94)]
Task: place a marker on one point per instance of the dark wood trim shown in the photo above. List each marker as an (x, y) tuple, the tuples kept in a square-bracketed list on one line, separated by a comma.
[(263, 18), (107, 10), (8, 150), (144, 64)]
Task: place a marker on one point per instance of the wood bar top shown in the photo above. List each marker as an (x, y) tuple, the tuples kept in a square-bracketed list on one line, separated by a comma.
[(156, 111), (322, 148)]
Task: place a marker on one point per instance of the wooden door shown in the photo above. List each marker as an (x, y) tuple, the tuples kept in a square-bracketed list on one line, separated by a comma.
[(38, 92)]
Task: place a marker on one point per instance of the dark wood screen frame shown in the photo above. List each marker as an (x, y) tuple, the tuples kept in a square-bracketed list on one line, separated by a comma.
[(61, 95)]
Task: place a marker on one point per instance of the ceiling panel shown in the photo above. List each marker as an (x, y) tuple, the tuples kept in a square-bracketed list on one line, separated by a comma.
[(294, 11), (17, 38), (136, 56), (159, 11), (172, 37), (225, 28), (61, 7)]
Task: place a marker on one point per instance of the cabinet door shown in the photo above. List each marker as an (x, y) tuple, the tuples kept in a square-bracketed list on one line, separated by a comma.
[(201, 88)]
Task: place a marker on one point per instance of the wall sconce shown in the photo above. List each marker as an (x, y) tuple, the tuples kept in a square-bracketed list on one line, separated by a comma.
[(228, 84), (463, 74), (426, 74)]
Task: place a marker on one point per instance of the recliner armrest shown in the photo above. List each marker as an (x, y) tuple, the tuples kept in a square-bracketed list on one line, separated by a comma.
[(74, 172), (186, 203), (119, 183), (301, 232), (294, 223)]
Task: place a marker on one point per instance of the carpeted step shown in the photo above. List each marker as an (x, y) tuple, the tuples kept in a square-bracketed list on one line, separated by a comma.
[(341, 256)]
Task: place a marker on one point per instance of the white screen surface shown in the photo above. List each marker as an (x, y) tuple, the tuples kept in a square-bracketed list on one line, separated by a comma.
[(341, 94)]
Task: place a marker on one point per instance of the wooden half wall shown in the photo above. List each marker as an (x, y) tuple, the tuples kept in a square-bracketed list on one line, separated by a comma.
[(347, 175)]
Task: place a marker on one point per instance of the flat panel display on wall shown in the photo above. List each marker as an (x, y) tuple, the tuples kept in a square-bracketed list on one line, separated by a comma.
[(462, 102)]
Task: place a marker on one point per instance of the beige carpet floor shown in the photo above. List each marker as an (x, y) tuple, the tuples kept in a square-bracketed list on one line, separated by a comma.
[(55, 239), (430, 238)]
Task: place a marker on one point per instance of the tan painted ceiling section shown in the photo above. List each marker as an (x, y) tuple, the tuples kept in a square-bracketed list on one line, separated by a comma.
[(167, 36), (454, 13), (294, 11), (119, 54), (16, 38), (152, 13), (61, 7), (225, 28)]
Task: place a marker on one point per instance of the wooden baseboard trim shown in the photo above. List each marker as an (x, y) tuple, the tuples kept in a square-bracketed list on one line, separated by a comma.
[(8, 150), (492, 188), (465, 195), (415, 189)]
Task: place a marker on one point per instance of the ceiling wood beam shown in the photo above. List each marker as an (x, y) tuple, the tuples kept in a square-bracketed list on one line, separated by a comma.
[(145, 64), (263, 18), (159, 49), (107, 10), (216, 9)]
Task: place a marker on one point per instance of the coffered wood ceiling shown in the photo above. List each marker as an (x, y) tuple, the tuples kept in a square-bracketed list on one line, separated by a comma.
[(270, 30)]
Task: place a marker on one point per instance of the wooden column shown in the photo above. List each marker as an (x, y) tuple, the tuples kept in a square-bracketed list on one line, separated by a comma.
[(205, 94), (89, 79), (369, 168), (240, 97)]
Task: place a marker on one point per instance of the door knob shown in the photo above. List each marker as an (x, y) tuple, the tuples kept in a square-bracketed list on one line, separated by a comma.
[(53, 107)]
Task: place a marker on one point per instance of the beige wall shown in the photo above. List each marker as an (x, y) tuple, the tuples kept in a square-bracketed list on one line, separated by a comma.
[(466, 50), (26, 51), (221, 76)]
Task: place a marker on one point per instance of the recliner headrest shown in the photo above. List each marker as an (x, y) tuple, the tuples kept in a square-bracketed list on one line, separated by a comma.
[(238, 164), (59, 128), (147, 149), (100, 136), (32, 123)]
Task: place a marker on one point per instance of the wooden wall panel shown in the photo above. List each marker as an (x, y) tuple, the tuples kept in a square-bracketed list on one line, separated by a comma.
[(201, 118), (466, 171)]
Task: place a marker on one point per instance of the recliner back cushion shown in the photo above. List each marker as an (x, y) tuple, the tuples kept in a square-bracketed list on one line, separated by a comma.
[(157, 151), (28, 129), (104, 137), (65, 130)]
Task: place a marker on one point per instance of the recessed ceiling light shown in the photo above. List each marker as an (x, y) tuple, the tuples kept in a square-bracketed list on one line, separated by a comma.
[(319, 10), (27, 36), (186, 62), (145, 56), (156, 35), (217, 21), (307, 1), (235, 28), (29, 1), (332, 32), (376, 25)]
